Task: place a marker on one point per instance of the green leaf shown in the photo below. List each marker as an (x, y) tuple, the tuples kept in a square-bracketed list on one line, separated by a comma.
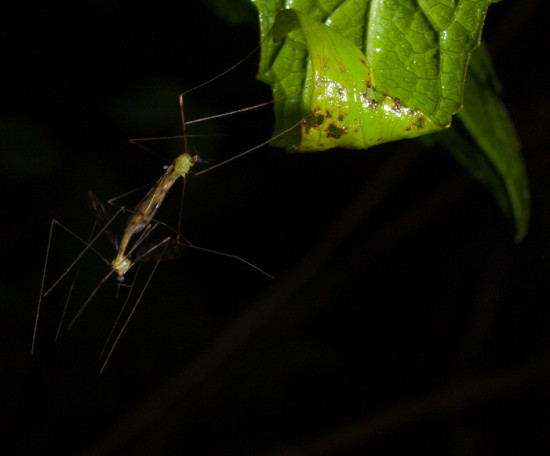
[(366, 72), (344, 109), (486, 144), (409, 55)]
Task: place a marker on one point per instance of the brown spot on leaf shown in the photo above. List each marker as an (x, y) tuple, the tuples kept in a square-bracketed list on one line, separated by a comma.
[(333, 131), (312, 122), (396, 104), (420, 122)]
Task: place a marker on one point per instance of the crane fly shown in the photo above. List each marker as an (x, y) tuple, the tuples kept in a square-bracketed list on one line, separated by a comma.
[(141, 224)]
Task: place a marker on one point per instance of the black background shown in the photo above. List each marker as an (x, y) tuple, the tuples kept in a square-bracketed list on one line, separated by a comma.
[(403, 318)]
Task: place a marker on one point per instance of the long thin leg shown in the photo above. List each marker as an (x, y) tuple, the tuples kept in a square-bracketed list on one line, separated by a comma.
[(165, 241), (88, 247), (217, 165), (66, 306), (241, 110), (119, 316), (69, 294), (231, 68), (235, 257), (148, 230), (38, 308), (116, 198), (83, 307), (44, 294)]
